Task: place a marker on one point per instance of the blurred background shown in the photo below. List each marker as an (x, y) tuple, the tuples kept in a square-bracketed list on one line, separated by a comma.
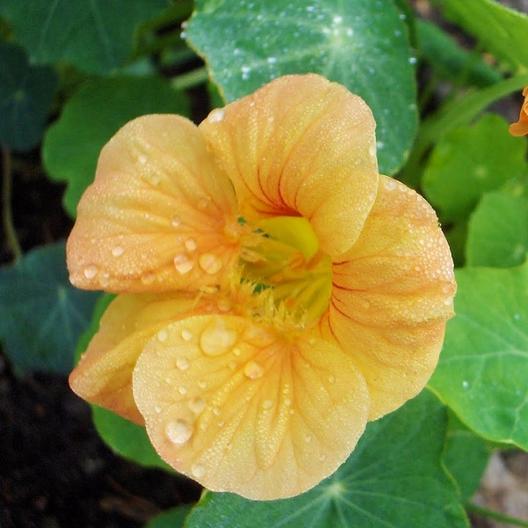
[(55, 115)]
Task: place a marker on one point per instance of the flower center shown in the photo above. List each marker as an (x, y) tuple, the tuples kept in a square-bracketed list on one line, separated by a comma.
[(283, 254)]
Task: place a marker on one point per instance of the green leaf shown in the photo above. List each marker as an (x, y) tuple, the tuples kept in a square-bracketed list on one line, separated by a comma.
[(42, 315), (458, 112), (394, 478), (470, 161), (91, 117), (26, 93), (466, 456), (498, 231), (362, 44), (451, 61), (484, 363), (95, 36), (499, 29), (123, 437), (171, 518), (126, 439)]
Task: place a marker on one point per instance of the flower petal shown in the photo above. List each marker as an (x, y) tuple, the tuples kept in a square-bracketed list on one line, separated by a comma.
[(159, 215), (243, 408), (104, 374), (300, 146), (520, 128), (392, 295)]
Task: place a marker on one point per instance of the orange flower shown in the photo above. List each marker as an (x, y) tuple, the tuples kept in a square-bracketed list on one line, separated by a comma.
[(276, 293), (520, 128)]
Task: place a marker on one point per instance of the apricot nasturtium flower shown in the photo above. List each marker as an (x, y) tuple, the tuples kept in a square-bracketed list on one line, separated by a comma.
[(275, 292), (520, 128)]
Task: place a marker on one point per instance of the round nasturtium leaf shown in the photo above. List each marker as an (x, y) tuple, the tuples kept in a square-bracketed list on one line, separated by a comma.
[(42, 314), (91, 117), (469, 161), (362, 44), (95, 36), (26, 93), (484, 363), (498, 231), (394, 477)]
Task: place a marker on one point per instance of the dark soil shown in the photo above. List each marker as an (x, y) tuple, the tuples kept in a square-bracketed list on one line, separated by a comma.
[(56, 472)]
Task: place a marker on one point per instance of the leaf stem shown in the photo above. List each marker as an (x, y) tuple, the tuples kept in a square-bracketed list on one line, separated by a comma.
[(190, 79), (7, 211), (492, 514)]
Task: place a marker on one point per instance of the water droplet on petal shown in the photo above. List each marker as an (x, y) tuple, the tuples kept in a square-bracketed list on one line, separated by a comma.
[(216, 115), (142, 159), (237, 351), (183, 264), (157, 409), (390, 185), (307, 438), (117, 251), (162, 335), (178, 431), (331, 379), (186, 334), (182, 390), (216, 339), (267, 404), (202, 384), (90, 272), (190, 245), (253, 370), (197, 405), (148, 278), (176, 221), (197, 470), (182, 363), (210, 263)]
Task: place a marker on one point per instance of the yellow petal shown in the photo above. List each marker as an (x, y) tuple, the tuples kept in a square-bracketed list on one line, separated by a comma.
[(300, 146), (243, 408), (159, 215), (392, 295), (104, 374)]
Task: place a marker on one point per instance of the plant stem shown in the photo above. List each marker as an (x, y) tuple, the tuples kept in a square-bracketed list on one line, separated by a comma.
[(7, 212), (190, 79), (492, 514)]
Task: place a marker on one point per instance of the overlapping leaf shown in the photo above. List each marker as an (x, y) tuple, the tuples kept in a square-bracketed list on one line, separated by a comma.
[(362, 44), (96, 36), (470, 161), (484, 363), (26, 93), (42, 314)]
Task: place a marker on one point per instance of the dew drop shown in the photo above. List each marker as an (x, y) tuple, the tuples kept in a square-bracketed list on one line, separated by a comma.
[(182, 390), (197, 471), (237, 351), (390, 185), (190, 245), (216, 339), (331, 379), (202, 384), (117, 251), (90, 272), (210, 263), (216, 115), (142, 159), (162, 335), (183, 264), (186, 334), (178, 431), (307, 438), (176, 221), (267, 404), (197, 405), (182, 363), (148, 278), (157, 409), (413, 60), (465, 384), (338, 19), (253, 370)]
